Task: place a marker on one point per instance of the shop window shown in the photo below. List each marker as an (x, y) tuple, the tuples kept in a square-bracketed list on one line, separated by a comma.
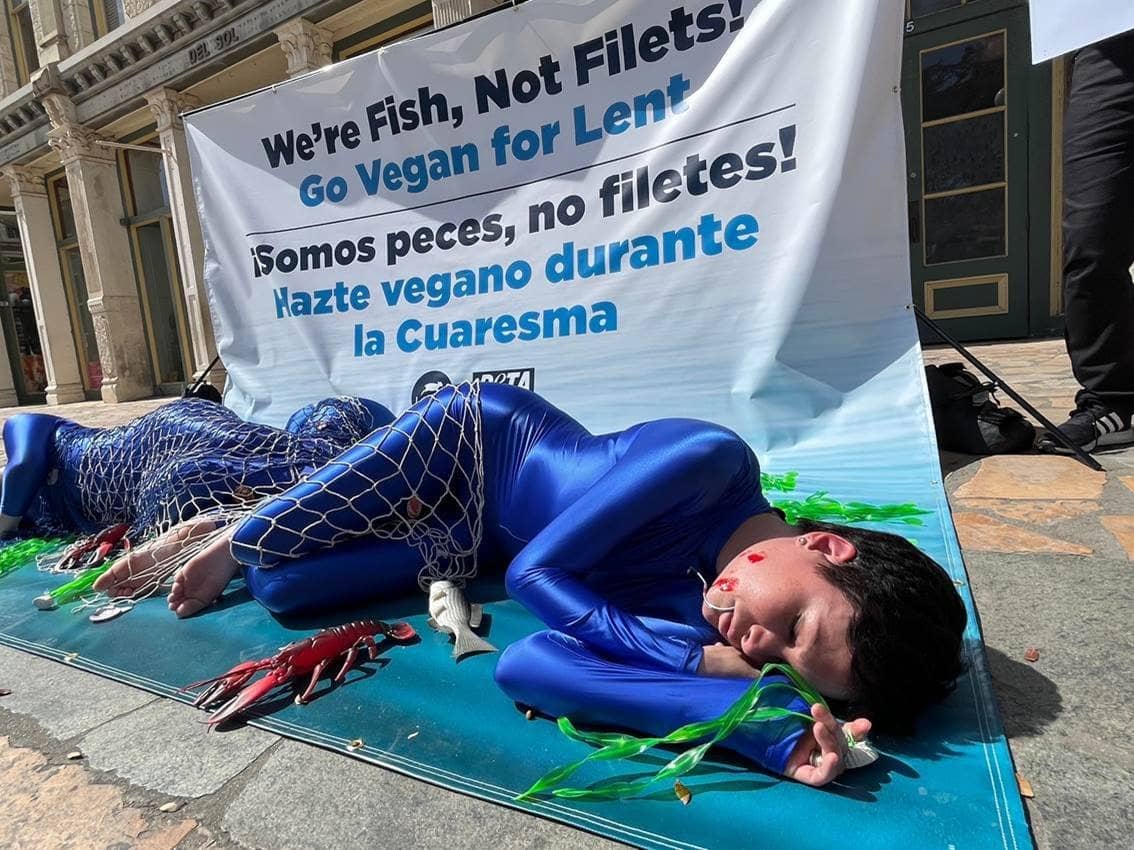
[(155, 262), (964, 100), (75, 283), (22, 36)]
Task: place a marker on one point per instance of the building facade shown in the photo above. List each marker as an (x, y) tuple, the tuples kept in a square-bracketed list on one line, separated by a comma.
[(101, 289)]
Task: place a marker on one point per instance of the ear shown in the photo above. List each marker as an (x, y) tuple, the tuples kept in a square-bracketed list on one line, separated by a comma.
[(835, 548)]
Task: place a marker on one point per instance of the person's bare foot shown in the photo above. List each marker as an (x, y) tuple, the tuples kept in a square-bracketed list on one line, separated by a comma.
[(198, 584), (134, 572)]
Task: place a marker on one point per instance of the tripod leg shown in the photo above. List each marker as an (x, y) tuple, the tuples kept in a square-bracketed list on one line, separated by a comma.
[(1056, 434)]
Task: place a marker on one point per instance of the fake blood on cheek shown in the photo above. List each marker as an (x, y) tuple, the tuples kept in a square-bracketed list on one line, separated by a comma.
[(725, 583), (755, 557)]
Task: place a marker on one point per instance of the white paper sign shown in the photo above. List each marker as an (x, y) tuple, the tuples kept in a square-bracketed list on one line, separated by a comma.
[(1060, 26)]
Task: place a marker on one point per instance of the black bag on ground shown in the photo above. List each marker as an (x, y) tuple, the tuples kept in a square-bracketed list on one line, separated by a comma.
[(968, 419)]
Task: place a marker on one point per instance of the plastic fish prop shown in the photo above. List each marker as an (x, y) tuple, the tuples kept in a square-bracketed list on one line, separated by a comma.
[(450, 612)]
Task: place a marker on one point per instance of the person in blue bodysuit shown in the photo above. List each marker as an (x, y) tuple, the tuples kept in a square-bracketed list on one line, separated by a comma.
[(186, 456), (664, 577)]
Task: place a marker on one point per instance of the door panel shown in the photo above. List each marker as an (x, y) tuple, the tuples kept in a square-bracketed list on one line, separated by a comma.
[(965, 106)]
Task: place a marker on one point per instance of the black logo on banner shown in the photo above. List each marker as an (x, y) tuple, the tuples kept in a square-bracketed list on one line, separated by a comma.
[(428, 384), (523, 378)]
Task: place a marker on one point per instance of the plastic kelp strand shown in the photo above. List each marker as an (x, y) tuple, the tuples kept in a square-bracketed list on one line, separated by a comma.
[(20, 552), (772, 483), (79, 586), (822, 508), (614, 745)]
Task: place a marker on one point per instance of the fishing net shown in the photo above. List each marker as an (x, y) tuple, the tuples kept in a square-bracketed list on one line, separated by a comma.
[(180, 475), (419, 481)]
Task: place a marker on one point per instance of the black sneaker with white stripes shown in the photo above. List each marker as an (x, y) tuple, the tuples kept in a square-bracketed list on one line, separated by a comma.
[(1091, 428)]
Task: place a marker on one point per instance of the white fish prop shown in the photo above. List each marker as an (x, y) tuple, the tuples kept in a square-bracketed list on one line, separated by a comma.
[(450, 612)]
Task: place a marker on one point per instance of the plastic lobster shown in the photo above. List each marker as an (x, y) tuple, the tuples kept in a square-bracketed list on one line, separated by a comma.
[(310, 655), (92, 551)]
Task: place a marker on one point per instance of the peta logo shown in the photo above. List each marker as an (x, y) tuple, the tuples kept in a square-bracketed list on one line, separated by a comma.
[(523, 378), (428, 384)]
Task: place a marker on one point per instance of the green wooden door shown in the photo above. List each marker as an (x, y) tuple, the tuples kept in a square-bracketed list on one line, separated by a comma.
[(964, 97)]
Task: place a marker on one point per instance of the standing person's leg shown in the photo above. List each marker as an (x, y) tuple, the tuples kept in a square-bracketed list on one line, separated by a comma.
[(1098, 242)]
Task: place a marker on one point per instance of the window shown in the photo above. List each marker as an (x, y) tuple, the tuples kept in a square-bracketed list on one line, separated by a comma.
[(75, 282), (24, 51), (155, 263), (106, 15)]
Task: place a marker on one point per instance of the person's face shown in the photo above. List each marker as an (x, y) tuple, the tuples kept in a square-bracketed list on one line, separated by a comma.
[(783, 609)]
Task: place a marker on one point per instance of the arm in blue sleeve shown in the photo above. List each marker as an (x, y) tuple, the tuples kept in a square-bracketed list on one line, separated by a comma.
[(29, 439), (561, 676), (671, 462)]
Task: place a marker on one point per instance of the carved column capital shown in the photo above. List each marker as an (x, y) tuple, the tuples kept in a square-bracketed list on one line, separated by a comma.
[(305, 45), (24, 181), (74, 141), (167, 105)]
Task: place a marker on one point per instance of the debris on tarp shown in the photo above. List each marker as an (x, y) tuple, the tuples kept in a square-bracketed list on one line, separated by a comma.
[(1031, 654), (683, 793)]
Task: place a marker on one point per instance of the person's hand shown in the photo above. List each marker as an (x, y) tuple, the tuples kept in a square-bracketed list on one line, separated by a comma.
[(821, 754), (724, 661)]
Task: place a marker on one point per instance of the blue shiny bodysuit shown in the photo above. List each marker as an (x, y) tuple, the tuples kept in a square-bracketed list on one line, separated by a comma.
[(602, 536), (187, 456)]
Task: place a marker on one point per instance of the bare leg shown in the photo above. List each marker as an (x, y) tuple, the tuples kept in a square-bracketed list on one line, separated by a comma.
[(198, 584)]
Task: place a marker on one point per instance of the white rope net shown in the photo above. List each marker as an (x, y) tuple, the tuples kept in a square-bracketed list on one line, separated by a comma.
[(419, 480)]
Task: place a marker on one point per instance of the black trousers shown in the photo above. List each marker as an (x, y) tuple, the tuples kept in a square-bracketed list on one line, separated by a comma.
[(1098, 223)]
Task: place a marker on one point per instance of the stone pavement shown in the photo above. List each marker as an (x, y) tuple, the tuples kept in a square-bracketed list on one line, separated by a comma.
[(1048, 545)]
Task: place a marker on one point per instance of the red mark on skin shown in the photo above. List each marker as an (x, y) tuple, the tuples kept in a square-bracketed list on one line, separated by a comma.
[(725, 583), (755, 557)]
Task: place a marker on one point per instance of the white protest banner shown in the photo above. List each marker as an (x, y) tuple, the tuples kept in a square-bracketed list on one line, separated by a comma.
[(637, 209), (1060, 26)]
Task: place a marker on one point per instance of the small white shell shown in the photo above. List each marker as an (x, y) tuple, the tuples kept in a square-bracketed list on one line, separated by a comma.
[(107, 612)]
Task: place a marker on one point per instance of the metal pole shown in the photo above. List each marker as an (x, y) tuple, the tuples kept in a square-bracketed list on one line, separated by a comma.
[(1054, 431)]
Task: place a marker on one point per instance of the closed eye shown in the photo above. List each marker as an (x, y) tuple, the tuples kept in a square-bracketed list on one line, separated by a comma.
[(794, 630)]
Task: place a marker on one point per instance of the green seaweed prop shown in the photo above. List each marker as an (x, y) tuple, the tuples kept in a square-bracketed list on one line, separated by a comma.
[(75, 588), (615, 745), (20, 552), (822, 508)]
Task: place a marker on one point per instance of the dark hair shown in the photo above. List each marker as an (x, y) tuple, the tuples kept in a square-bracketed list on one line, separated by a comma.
[(906, 633)]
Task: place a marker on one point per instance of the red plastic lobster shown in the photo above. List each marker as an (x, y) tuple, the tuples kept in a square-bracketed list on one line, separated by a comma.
[(310, 655), (101, 545)]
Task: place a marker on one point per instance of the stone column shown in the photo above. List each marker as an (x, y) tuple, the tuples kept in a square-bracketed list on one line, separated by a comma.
[(50, 32), (8, 397), (96, 199), (49, 297), (80, 27), (306, 46), (167, 106)]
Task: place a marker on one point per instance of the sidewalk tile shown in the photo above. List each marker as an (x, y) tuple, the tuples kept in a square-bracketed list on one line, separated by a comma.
[(64, 701), (165, 747), (1122, 527), (980, 533), (1032, 477), (1032, 511), (46, 805)]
